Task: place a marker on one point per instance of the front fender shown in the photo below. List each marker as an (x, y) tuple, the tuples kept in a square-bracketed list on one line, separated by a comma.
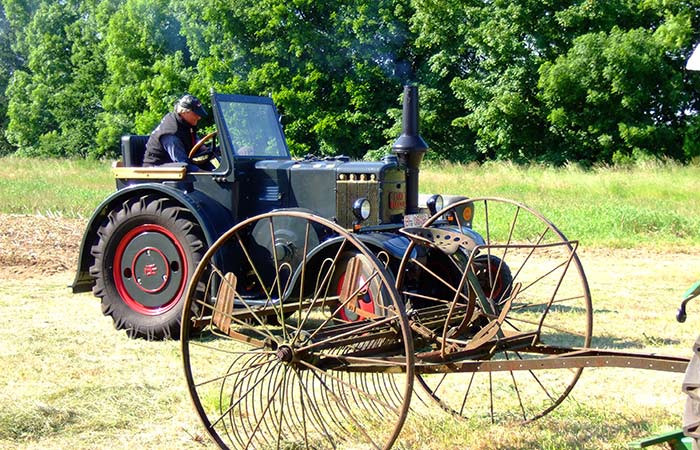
[(393, 244), (213, 218)]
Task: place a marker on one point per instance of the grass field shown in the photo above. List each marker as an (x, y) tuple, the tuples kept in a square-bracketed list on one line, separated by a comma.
[(72, 381), (656, 205), (70, 188)]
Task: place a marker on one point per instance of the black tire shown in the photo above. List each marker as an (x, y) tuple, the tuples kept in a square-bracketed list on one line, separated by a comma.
[(496, 280), (146, 252)]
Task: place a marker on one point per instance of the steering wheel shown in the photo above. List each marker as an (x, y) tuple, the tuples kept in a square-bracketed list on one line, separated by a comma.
[(209, 153)]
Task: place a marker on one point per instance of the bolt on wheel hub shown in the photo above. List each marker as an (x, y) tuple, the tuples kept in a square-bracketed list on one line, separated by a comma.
[(285, 353)]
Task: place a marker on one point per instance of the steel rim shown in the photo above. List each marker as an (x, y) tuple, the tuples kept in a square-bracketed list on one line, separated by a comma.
[(283, 386), (565, 318)]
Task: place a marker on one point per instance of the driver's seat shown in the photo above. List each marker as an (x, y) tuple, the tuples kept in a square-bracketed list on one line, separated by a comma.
[(133, 149)]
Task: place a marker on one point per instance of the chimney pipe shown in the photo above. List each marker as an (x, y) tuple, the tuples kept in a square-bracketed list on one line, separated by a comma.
[(410, 147)]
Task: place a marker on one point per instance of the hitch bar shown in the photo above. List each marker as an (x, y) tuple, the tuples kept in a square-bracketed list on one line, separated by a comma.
[(560, 358), (564, 359)]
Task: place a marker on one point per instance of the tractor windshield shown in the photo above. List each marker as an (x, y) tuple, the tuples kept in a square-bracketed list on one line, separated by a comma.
[(253, 126)]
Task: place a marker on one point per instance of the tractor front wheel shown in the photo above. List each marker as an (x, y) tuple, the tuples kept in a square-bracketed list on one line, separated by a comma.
[(145, 254)]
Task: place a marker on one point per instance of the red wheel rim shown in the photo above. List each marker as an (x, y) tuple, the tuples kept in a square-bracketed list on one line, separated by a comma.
[(119, 277), (364, 306)]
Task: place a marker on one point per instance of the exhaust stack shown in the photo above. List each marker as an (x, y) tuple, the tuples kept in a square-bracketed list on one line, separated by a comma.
[(410, 147)]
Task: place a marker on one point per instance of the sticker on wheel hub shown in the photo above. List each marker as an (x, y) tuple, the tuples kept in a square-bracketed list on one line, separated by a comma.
[(151, 269)]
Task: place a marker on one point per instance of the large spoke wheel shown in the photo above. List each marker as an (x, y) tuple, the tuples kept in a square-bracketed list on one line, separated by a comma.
[(493, 279), (303, 345)]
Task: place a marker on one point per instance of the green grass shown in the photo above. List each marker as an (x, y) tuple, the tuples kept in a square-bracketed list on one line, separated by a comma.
[(72, 381), (604, 207), (645, 206), (66, 188), (651, 206)]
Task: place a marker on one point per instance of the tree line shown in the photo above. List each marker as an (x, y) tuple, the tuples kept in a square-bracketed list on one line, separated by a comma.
[(554, 81)]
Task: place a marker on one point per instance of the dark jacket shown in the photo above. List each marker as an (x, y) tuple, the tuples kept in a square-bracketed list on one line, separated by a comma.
[(172, 123)]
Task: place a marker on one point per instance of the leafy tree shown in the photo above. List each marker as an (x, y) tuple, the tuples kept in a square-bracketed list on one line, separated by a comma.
[(19, 14), (501, 59), (9, 62), (524, 80), (55, 95), (333, 68), (148, 66), (488, 54), (621, 93), (32, 124)]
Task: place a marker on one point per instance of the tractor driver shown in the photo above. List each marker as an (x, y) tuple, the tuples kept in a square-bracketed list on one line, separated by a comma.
[(174, 137)]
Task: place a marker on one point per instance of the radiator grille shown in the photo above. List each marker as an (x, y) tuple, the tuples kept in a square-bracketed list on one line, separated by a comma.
[(349, 191)]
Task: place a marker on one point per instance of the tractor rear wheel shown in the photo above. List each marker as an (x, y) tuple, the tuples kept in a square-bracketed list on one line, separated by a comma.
[(145, 254), (364, 306)]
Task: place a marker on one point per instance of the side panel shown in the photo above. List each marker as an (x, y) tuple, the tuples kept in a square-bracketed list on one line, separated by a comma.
[(213, 218), (264, 186), (312, 186)]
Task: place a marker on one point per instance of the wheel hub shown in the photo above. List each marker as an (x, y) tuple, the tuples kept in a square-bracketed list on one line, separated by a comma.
[(285, 353), (149, 269)]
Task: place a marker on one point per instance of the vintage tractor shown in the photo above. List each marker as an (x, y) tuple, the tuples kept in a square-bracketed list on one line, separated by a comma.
[(143, 242)]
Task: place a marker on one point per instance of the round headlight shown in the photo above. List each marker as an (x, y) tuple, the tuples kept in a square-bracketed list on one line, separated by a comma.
[(435, 203), (361, 209)]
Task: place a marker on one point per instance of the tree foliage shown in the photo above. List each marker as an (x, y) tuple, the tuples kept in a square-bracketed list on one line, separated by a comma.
[(147, 67), (623, 92), (523, 80)]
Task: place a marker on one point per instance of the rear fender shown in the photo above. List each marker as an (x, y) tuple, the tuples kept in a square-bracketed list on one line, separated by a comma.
[(211, 216)]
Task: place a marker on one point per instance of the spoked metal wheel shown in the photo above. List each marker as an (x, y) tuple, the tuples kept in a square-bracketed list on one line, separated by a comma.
[(304, 345), (494, 280)]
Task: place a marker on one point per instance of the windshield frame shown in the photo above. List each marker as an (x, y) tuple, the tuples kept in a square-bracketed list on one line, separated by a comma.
[(225, 134)]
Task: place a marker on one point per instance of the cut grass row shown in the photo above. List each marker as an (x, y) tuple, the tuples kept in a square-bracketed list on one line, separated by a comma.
[(75, 382), (651, 206)]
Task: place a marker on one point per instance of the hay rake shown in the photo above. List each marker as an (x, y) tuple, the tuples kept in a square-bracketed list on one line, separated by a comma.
[(320, 336)]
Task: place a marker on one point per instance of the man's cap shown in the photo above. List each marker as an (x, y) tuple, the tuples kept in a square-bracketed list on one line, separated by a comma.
[(193, 104)]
